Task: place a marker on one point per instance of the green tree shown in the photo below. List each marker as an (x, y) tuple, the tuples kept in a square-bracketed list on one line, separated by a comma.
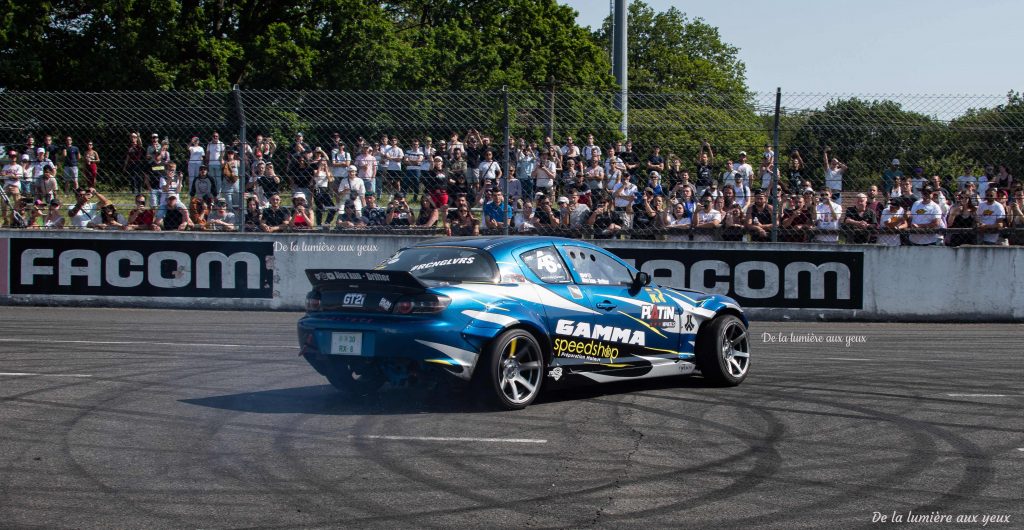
[(669, 52)]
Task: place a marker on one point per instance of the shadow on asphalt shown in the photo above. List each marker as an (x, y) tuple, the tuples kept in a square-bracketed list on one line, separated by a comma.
[(323, 399)]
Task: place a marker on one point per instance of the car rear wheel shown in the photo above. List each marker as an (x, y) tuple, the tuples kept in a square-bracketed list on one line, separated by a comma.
[(723, 351), (511, 370), (355, 380)]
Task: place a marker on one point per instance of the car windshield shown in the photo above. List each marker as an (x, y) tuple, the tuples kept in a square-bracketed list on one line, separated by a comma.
[(443, 264)]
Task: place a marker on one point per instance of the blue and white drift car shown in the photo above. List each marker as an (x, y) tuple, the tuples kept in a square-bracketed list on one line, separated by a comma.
[(510, 315)]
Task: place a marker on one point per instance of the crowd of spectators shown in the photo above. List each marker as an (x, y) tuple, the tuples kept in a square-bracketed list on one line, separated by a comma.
[(459, 186)]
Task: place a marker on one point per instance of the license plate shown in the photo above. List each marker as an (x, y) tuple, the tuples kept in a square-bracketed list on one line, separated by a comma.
[(347, 343)]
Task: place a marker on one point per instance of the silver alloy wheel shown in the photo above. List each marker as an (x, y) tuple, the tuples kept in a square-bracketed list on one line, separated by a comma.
[(735, 349), (520, 370)]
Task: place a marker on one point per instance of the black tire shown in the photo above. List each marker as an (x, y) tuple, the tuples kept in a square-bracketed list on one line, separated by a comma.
[(723, 351), (510, 371), (354, 380)]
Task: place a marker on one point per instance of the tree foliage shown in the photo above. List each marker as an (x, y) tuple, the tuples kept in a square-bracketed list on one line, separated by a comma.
[(669, 52), (334, 44)]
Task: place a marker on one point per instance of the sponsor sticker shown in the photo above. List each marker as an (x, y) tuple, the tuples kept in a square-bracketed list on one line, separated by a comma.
[(575, 292)]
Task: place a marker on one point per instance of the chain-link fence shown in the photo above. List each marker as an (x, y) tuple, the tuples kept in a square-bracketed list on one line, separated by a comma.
[(414, 156)]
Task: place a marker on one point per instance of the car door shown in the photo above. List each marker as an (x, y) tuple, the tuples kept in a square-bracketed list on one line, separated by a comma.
[(628, 328)]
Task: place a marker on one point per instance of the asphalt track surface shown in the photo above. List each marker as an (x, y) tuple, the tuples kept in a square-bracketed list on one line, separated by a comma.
[(146, 418)]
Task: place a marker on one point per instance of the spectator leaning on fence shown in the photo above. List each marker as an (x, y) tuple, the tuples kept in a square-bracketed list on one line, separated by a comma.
[(858, 220), (760, 218), (962, 216), (173, 216), (991, 218), (826, 217), (85, 211), (891, 223), (349, 218), (274, 218), (926, 214), (706, 219)]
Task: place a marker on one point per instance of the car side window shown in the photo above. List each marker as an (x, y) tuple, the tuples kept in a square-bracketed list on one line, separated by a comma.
[(547, 265), (595, 268)]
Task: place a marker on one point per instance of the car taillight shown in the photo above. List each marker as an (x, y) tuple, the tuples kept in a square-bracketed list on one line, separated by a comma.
[(313, 303), (424, 303)]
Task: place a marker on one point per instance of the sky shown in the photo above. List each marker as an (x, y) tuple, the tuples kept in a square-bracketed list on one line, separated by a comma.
[(864, 46)]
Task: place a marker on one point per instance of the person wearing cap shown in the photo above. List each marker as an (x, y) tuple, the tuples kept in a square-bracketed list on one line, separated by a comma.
[(173, 216), (890, 175), (141, 217), (13, 171), (204, 187), (54, 217), (436, 184), (891, 223), (744, 168), (706, 219), (352, 188), (37, 173), (926, 214), (221, 218), (399, 211), (918, 180), (349, 217)]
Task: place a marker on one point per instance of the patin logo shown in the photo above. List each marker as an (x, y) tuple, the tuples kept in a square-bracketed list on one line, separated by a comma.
[(572, 328), (126, 269)]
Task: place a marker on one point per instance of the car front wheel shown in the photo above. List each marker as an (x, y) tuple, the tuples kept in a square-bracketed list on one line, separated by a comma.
[(723, 351), (511, 370)]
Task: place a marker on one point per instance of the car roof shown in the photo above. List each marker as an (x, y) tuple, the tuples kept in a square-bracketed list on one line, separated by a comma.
[(498, 243)]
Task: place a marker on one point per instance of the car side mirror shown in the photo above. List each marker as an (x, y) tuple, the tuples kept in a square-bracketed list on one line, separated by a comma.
[(641, 280)]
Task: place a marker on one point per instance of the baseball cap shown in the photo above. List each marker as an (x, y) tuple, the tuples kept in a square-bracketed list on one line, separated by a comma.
[(743, 153), (24, 158), (895, 161), (298, 195), (352, 169), (399, 195), (41, 150), (370, 194), (563, 200)]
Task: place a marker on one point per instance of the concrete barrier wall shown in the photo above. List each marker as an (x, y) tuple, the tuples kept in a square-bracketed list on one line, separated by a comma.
[(266, 271)]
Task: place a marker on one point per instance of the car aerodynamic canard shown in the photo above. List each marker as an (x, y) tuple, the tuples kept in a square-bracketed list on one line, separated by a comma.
[(511, 314)]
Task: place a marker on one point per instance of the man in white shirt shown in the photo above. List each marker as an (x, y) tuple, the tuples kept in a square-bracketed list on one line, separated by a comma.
[(490, 169), (196, 156), (544, 174), (413, 161), (590, 150), (624, 192), (991, 218), (744, 169), (826, 217), (705, 219), (215, 159), (84, 211), (926, 214), (392, 156), (352, 188), (834, 173), (340, 159), (891, 220), (13, 171), (742, 192)]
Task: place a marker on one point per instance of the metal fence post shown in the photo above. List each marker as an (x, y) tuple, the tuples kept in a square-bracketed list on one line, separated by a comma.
[(243, 176), (775, 178), (508, 148)]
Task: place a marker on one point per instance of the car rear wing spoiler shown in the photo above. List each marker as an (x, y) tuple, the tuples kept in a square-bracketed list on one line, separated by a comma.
[(363, 279)]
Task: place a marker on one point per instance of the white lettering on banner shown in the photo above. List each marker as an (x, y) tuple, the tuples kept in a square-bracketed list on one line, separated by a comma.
[(741, 279), (29, 269), (817, 273), (228, 266), (182, 275), (91, 270), (113, 272)]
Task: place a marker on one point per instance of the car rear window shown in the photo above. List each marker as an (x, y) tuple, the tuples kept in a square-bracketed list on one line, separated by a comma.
[(444, 264)]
